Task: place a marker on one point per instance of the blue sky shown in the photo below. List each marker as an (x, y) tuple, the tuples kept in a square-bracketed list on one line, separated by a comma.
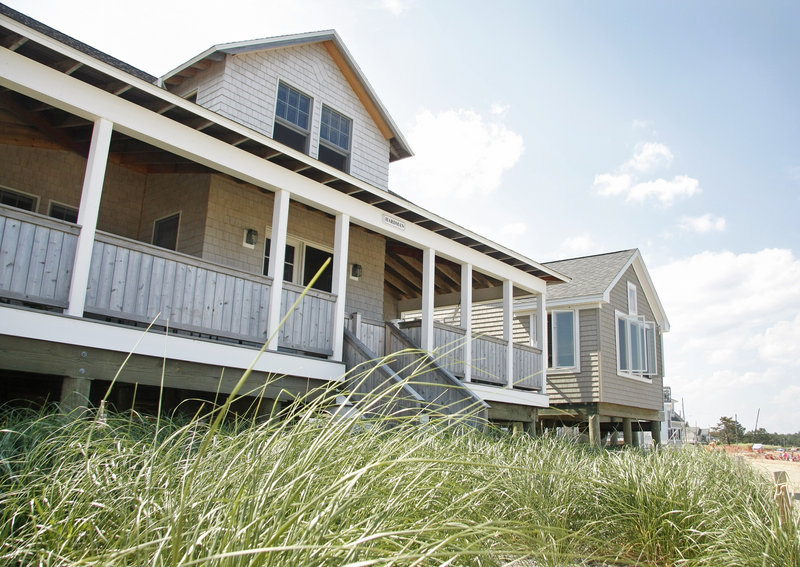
[(563, 129)]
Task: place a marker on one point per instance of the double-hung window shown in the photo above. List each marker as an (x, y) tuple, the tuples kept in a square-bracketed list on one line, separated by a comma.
[(334, 139), (562, 340), (292, 118)]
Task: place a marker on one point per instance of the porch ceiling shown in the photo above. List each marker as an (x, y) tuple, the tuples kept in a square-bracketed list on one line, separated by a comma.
[(403, 274), (31, 122)]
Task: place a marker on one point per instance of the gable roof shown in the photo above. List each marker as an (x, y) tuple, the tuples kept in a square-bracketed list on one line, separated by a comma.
[(333, 44), (593, 278)]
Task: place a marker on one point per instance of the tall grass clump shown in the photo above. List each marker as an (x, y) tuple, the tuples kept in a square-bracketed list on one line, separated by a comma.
[(302, 487)]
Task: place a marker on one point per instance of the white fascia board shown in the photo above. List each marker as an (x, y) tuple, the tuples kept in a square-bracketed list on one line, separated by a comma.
[(651, 294), (56, 328), (508, 396), (62, 91)]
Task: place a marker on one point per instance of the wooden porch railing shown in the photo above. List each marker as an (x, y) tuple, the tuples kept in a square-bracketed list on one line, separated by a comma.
[(134, 281), (36, 257), (488, 356)]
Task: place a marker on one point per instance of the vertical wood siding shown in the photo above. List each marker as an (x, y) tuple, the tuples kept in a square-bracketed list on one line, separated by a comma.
[(36, 257)]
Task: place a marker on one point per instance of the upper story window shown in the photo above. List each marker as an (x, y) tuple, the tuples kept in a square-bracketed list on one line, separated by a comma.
[(562, 343), (18, 200), (633, 303), (334, 137), (292, 118)]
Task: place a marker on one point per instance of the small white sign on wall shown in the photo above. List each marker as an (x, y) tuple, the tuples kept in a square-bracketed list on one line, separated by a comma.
[(394, 222)]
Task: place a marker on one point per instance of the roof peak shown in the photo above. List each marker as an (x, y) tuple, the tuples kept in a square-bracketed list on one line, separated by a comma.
[(629, 250)]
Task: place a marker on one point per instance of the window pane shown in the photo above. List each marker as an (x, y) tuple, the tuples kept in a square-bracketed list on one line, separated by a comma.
[(312, 263), (652, 366), (335, 128), (165, 232), (288, 264), (637, 346), (565, 339), (14, 199), (293, 106), (622, 328), (63, 212)]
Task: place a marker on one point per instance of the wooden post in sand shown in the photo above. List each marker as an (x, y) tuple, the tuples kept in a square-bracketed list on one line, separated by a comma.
[(782, 496)]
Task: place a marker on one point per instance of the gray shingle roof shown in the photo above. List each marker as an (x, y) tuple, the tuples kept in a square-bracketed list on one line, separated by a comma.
[(591, 275)]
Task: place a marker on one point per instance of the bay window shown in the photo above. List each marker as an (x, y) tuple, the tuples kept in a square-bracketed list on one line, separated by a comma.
[(636, 345)]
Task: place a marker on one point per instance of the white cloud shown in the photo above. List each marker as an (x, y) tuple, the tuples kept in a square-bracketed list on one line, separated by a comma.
[(631, 178), (460, 156), (609, 184), (395, 7), (649, 156), (703, 224), (578, 245), (734, 342), (663, 190)]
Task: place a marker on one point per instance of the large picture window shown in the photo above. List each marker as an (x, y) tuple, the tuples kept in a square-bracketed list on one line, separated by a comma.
[(636, 345), (561, 341)]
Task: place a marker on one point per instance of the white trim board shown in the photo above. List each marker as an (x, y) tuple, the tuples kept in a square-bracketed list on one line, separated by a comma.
[(39, 325)]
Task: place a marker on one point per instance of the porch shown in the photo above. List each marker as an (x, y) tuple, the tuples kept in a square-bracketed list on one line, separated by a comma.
[(138, 284)]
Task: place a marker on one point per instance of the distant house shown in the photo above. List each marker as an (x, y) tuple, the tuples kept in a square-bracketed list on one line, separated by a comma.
[(203, 202), (605, 364)]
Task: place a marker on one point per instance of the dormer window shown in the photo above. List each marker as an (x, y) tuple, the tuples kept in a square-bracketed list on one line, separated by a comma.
[(334, 139), (292, 117)]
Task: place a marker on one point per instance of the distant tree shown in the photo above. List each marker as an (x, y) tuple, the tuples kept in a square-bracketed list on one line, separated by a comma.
[(728, 431)]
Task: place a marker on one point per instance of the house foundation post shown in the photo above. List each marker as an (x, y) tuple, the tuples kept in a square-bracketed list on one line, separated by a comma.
[(532, 427), (74, 393), (594, 430), (516, 428), (655, 429), (627, 431), (88, 212)]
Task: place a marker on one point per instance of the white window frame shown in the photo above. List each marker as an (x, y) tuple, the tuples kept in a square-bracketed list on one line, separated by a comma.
[(22, 194), (336, 148), (63, 206), (649, 349), (298, 265), (552, 344), (633, 300), (288, 123), (179, 214)]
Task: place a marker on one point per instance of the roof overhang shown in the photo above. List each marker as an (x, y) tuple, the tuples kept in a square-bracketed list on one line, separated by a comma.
[(335, 47), (44, 46)]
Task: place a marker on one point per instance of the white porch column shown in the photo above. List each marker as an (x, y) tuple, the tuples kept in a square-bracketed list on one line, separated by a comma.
[(541, 335), (466, 318), (88, 213), (339, 286), (508, 329), (277, 257), (428, 274)]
